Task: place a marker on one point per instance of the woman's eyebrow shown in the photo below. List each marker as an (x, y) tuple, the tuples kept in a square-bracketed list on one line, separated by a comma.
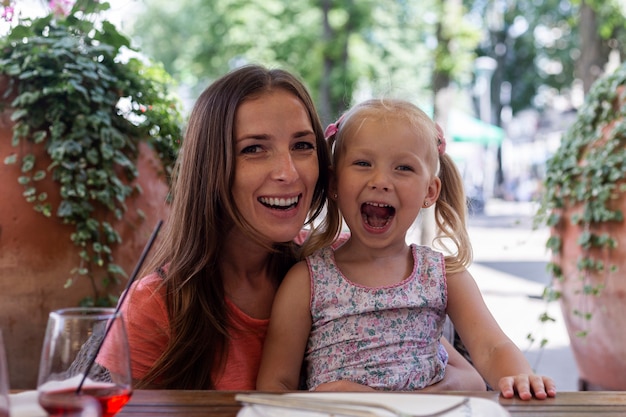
[(257, 136), (304, 133)]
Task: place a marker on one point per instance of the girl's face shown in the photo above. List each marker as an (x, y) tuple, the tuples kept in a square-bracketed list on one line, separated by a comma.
[(276, 165), (382, 180)]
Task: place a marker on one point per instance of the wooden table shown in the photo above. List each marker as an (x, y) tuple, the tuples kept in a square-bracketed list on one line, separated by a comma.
[(147, 403)]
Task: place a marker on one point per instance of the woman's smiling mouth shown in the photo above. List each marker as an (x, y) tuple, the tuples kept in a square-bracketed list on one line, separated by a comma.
[(280, 203)]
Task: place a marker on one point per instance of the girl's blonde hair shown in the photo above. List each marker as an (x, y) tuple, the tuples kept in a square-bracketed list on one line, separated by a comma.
[(451, 207)]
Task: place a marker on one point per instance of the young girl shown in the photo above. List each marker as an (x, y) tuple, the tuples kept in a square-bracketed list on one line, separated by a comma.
[(369, 314)]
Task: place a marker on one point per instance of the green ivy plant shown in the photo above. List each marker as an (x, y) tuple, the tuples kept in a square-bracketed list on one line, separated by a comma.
[(72, 91), (587, 172)]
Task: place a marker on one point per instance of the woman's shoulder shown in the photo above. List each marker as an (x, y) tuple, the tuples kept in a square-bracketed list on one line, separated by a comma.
[(152, 281), (146, 303), (150, 289)]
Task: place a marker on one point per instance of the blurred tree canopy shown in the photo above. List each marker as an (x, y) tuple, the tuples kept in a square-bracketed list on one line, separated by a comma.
[(339, 47), (347, 49), (548, 44)]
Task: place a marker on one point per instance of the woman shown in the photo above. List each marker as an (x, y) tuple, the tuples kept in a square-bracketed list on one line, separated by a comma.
[(252, 170)]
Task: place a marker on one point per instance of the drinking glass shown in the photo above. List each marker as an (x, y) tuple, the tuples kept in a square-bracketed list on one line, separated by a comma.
[(4, 381), (85, 353)]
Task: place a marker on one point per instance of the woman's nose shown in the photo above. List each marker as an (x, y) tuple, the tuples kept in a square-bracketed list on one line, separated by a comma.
[(284, 168)]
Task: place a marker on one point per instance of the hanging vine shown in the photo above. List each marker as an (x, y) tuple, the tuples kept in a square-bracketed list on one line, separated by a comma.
[(71, 91), (588, 172)]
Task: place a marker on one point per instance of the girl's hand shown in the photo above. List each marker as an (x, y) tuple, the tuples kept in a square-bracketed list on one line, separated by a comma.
[(526, 385), (343, 385)]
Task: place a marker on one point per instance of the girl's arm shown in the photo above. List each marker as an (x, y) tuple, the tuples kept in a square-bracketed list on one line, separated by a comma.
[(495, 356), (460, 374), (288, 332)]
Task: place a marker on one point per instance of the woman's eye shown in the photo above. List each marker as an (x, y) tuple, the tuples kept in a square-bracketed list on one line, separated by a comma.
[(304, 145), (251, 149)]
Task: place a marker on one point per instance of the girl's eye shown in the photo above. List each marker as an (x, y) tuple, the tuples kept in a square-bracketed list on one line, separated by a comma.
[(251, 149), (405, 168), (362, 163), (304, 146)]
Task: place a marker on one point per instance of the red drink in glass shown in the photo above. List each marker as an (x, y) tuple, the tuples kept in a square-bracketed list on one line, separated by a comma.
[(66, 402), (77, 343)]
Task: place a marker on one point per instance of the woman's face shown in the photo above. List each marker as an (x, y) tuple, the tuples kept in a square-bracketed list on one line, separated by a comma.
[(276, 167)]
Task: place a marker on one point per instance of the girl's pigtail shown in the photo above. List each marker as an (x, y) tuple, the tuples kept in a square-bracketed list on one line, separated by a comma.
[(451, 212)]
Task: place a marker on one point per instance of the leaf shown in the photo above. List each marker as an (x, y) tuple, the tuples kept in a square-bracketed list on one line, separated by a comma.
[(19, 114), (79, 88), (65, 209), (116, 269), (11, 159), (45, 209), (28, 162), (40, 136)]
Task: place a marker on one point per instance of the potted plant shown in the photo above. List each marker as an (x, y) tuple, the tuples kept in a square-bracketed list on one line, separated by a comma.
[(89, 133), (583, 203)]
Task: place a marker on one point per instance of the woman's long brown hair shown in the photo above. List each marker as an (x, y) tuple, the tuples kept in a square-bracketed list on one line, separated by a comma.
[(202, 213)]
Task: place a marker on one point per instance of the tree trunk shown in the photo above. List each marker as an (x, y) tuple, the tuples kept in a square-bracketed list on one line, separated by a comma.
[(594, 52)]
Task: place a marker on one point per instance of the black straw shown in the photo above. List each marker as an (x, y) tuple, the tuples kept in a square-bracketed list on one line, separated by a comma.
[(132, 278)]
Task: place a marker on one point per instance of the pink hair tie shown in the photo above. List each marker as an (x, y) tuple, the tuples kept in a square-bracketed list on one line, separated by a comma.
[(332, 128), (441, 140)]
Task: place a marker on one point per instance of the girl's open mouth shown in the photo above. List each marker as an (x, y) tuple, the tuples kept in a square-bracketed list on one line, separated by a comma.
[(377, 214)]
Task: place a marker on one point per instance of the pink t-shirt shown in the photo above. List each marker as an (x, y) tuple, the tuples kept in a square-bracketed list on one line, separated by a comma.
[(147, 325)]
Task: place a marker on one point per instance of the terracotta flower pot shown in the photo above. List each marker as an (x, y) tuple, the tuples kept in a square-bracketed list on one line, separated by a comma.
[(37, 255), (595, 322), (600, 353)]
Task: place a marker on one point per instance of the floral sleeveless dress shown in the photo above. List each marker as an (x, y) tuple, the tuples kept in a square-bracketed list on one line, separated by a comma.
[(383, 337)]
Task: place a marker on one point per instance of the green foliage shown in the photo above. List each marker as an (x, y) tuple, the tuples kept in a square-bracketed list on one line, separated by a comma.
[(338, 47), (612, 24), (75, 95), (588, 171), (542, 42), (530, 59), (455, 51)]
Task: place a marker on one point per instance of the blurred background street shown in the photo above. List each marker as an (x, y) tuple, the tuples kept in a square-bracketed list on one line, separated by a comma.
[(509, 267)]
